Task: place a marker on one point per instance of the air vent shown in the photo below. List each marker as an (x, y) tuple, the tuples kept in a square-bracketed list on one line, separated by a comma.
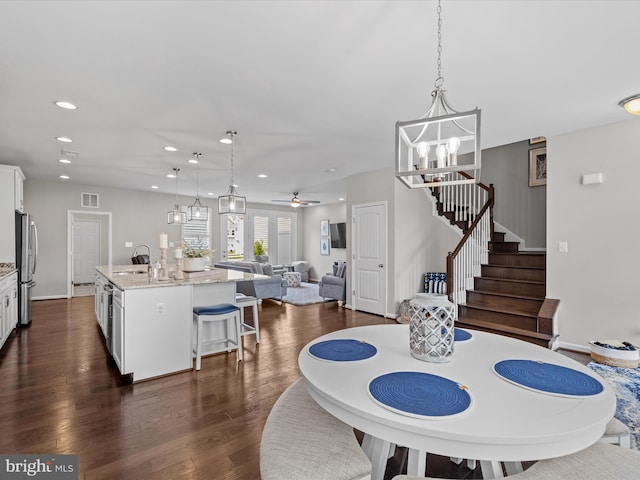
[(90, 200), (69, 153)]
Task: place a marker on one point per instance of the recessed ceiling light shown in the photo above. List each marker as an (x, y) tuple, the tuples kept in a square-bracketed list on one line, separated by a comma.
[(66, 105), (211, 193), (169, 148), (155, 187), (65, 177), (331, 170), (193, 160), (262, 175), (341, 199), (64, 160), (171, 175), (226, 141), (64, 139)]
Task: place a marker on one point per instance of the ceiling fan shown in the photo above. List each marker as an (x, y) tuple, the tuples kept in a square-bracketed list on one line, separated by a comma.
[(296, 202)]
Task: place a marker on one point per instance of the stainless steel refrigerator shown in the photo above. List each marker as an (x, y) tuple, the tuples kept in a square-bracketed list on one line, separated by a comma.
[(26, 260)]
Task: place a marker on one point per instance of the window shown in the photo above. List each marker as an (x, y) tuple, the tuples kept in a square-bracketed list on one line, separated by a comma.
[(284, 240), (197, 232), (261, 232)]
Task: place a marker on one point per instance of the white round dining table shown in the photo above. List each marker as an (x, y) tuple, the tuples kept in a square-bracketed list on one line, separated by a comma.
[(504, 422)]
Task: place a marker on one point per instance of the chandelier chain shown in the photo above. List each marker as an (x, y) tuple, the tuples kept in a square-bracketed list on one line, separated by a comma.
[(197, 155), (440, 80)]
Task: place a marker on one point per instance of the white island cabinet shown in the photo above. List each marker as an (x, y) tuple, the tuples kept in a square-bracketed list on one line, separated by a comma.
[(152, 323)]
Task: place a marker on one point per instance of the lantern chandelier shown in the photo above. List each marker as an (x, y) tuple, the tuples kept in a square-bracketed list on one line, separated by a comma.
[(196, 210), (177, 215), (232, 202), (443, 146)]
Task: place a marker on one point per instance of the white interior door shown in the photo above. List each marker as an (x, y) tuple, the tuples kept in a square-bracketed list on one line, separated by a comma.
[(86, 250), (369, 253)]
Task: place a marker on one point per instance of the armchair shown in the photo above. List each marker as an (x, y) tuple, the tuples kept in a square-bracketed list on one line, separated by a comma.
[(333, 285)]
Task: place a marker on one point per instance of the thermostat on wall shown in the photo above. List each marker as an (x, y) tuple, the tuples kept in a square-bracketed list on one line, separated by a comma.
[(592, 178)]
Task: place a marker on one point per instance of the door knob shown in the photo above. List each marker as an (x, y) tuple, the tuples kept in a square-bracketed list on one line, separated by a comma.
[(380, 265)]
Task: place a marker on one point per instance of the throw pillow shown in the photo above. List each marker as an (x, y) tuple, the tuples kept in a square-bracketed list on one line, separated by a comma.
[(257, 267), (267, 269), (341, 269)]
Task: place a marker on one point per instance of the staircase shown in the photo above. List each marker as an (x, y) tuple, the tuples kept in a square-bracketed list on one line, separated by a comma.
[(509, 294), (496, 287)]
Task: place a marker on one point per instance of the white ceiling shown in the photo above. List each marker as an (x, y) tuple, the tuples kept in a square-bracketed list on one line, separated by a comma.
[(309, 85)]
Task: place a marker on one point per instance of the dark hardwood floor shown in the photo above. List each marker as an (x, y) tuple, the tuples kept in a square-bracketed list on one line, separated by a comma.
[(62, 394)]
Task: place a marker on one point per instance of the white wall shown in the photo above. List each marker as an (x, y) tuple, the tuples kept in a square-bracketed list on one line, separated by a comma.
[(138, 217), (321, 264), (417, 241), (597, 279)]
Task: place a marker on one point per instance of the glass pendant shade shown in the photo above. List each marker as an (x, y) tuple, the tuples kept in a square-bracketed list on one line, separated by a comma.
[(177, 215), (231, 202), (197, 211)]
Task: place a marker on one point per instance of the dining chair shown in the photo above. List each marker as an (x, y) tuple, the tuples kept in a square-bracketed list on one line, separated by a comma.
[(301, 440), (617, 433), (599, 461)]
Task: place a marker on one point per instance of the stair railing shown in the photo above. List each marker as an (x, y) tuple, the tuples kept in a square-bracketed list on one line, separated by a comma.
[(468, 203)]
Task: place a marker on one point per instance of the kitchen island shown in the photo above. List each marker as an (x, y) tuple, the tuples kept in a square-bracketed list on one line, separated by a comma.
[(148, 324)]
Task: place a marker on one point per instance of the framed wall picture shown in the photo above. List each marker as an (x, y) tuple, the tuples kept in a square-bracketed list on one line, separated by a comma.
[(324, 228), (534, 140), (325, 245), (537, 167)]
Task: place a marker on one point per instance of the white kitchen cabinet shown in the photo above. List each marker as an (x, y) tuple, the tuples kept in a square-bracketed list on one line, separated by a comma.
[(11, 178), (8, 306), (18, 193)]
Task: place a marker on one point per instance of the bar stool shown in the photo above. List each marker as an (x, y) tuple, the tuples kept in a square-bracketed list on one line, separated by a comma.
[(244, 301), (216, 313)]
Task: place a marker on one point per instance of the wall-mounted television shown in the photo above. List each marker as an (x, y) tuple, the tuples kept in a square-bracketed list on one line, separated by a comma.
[(338, 232)]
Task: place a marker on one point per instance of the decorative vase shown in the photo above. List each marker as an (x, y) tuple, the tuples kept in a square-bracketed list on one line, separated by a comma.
[(193, 264), (431, 330)]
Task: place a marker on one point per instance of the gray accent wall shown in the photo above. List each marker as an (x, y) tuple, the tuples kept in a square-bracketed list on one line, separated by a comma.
[(519, 207), (596, 280)]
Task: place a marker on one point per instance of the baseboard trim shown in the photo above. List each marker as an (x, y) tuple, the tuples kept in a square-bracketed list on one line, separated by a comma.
[(50, 297), (576, 347)]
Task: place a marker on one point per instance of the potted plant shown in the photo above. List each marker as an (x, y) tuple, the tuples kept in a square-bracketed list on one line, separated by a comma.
[(258, 248), (194, 255)]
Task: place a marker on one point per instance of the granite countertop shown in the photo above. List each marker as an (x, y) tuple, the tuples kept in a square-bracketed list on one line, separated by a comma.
[(136, 276), (6, 269)]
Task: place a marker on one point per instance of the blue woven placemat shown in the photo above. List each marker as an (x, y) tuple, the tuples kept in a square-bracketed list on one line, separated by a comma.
[(419, 394), (342, 350), (460, 335), (548, 378)]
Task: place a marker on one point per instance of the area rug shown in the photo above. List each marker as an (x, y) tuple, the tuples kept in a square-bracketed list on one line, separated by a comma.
[(626, 383), (305, 294)]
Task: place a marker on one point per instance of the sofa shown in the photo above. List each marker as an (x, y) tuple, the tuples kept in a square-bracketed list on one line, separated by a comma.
[(333, 285), (260, 288)]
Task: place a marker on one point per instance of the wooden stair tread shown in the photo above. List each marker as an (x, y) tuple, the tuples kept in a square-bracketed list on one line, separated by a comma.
[(518, 267), (508, 311), (509, 295), (503, 328), (512, 280), (520, 252)]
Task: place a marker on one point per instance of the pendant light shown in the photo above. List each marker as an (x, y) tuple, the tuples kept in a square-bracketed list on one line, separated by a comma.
[(197, 211), (177, 216), (232, 202), (429, 149)]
